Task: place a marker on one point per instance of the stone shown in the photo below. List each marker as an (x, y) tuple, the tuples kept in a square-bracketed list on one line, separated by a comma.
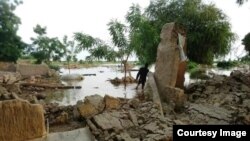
[(111, 102), (134, 103), (92, 125), (208, 112), (247, 119), (125, 123), (70, 77), (176, 97), (152, 127), (107, 121), (155, 137), (63, 118), (3, 90), (133, 117), (168, 59), (155, 95), (6, 96), (91, 106), (21, 120), (14, 88), (126, 137), (246, 103), (40, 96), (245, 88), (14, 96), (76, 114), (9, 77)]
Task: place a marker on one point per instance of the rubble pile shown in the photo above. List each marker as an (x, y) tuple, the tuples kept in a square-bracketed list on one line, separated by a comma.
[(220, 100), (121, 119)]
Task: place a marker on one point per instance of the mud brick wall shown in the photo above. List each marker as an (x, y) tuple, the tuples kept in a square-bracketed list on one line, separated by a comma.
[(32, 70)]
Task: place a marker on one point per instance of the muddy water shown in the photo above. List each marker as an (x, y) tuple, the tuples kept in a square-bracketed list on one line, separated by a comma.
[(93, 85)]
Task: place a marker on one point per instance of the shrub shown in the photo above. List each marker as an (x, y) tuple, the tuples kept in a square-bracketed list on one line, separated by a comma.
[(54, 67), (227, 64)]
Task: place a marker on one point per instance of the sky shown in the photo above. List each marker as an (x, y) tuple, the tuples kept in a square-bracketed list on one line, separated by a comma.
[(64, 17)]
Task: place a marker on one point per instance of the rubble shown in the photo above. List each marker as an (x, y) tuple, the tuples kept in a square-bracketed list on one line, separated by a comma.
[(117, 81), (91, 106)]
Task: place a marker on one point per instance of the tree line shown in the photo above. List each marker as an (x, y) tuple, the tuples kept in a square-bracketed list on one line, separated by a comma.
[(208, 30)]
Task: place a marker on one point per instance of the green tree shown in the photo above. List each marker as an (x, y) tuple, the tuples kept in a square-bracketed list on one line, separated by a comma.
[(99, 52), (11, 45), (97, 48), (85, 41), (118, 32), (46, 49), (144, 37), (246, 43), (209, 32)]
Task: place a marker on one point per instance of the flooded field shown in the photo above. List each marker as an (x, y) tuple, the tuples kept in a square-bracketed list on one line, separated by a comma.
[(91, 85)]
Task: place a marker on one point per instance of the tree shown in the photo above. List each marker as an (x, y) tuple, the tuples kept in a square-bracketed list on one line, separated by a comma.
[(46, 49), (246, 43), (85, 41), (11, 45), (118, 33), (97, 48), (70, 50), (144, 37), (209, 33)]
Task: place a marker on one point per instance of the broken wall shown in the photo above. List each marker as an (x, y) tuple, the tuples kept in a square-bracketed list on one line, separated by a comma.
[(32, 70), (20, 120), (169, 68)]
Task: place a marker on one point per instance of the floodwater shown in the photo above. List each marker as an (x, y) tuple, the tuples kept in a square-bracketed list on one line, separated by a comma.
[(91, 85), (100, 85)]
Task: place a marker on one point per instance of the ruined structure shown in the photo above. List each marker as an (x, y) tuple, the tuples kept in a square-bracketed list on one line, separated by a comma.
[(21, 120), (170, 64)]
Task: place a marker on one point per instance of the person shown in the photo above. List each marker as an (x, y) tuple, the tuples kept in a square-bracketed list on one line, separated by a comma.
[(142, 75)]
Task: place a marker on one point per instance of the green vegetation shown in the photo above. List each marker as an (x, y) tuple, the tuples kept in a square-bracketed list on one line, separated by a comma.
[(54, 67), (208, 29), (246, 43), (191, 66), (198, 73), (11, 45), (227, 64), (46, 49), (245, 59)]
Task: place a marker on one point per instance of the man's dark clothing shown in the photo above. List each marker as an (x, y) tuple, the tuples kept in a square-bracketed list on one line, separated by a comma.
[(142, 74)]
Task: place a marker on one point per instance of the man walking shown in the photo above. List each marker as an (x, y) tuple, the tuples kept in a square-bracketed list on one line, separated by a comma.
[(142, 75)]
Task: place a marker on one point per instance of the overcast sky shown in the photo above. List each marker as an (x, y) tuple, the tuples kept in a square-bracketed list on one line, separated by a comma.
[(64, 17)]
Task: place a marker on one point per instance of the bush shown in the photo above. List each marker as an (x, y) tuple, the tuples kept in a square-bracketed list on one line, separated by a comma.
[(191, 66), (245, 59), (227, 64), (27, 57), (198, 74), (54, 67)]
